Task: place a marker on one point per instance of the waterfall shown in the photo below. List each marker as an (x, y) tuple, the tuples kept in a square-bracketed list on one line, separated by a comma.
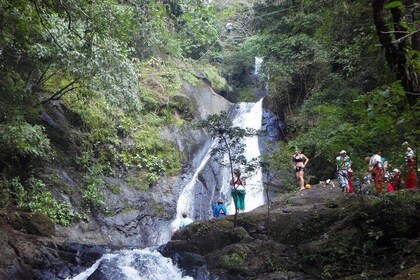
[(247, 115), (196, 199), (185, 204), (135, 264), (257, 65), (202, 193)]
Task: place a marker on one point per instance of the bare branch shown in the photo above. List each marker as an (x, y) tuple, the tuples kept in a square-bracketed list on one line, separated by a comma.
[(67, 12), (39, 82), (61, 92), (404, 37)]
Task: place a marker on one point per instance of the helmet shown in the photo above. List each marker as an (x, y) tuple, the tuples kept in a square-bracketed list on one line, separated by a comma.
[(343, 152), (307, 186)]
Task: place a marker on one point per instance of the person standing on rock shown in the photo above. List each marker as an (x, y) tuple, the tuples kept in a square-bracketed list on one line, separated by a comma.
[(229, 27), (343, 164), (410, 178), (238, 190), (376, 168), (299, 162), (219, 210)]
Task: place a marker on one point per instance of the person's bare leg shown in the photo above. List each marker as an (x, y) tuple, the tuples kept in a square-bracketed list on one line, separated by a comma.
[(301, 181)]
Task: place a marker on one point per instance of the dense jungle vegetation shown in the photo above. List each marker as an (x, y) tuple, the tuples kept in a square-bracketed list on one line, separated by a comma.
[(343, 74)]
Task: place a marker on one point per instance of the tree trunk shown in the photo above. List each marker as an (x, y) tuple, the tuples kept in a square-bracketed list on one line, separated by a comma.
[(396, 52)]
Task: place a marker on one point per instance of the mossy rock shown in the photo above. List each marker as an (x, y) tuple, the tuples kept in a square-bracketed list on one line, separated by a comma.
[(33, 223), (410, 274), (183, 106), (239, 234)]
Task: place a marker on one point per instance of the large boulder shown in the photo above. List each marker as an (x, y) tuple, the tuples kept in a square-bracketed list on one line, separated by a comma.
[(32, 223)]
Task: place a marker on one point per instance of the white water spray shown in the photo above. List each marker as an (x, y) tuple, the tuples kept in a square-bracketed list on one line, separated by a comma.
[(248, 115), (185, 201), (136, 264)]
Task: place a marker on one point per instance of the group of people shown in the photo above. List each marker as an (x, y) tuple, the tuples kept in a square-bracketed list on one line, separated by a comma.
[(377, 171), (392, 180)]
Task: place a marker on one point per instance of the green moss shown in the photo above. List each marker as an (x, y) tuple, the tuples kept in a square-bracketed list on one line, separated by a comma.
[(138, 183), (115, 189), (183, 106), (234, 260), (218, 83), (247, 94), (158, 208), (200, 228)]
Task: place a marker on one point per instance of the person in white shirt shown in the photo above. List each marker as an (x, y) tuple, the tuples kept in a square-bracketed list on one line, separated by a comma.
[(229, 26), (185, 221), (376, 168)]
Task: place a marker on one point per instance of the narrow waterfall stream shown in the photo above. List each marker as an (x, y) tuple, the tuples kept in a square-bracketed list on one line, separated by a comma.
[(196, 199), (247, 115), (203, 192)]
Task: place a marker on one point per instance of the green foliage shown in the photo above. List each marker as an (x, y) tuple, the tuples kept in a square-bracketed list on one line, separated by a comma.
[(230, 141), (278, 162), (6, 192), (217, 82), (387, 123), (92, 194), (331, 83), (36, 198), (20, 139), (197, 28)]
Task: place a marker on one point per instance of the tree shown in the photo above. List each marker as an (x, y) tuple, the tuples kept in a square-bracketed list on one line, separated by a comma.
[(400, 41), (230, 143)]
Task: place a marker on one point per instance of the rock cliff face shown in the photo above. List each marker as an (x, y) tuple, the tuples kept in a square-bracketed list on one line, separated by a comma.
[(131, 217), (137, 217)]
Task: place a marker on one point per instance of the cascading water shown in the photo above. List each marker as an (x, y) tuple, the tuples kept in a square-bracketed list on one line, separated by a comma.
[(196, 199), (136, 264), (205, 187), (184, 204), (247, 115), (257, 65)]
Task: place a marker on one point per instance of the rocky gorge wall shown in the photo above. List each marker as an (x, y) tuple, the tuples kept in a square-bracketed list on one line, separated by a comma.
[(142, 218), (130, 216)]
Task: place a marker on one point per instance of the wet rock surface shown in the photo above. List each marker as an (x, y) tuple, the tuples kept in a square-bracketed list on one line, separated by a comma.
[(300, 243), (30, 254), (301, 239)]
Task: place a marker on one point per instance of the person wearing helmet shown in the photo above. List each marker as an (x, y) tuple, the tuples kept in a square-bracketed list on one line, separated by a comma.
[(219, 209)]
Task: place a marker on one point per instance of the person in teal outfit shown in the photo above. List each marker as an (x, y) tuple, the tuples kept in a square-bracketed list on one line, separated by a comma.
[(238, 190)]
